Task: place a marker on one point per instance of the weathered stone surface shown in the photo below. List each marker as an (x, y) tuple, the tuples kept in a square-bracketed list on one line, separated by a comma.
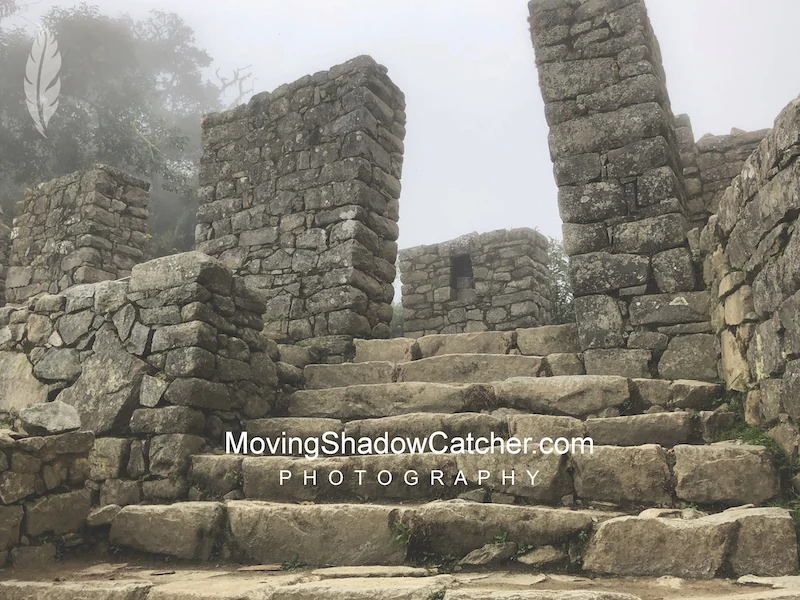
[(725, 473), (274, 427), (600, 272), (58, 364), (180, 269), (537, 427), (426, 424), (636, 475), (329, 376), (10, 521), (650, 235), (541, 557), (105, 590), (381, 400), (21, 388), (170, 453), (551, 339), (51, 418), (640, 546), (186, 530), (600, 323), (560, 81), (674, 271), (564, 364), (106, 392), (666, 429), (490, 554), (100, 517), (217, 474), (120, 492), (15, 486), (765, 542), (671, 309), (170, 419), (58, 513), (198, 393), (458, 527), (490, 342), (624, 363), (573, 396), (469, 368), (109, 457), (269, 533), (395, 350), (690, 357)]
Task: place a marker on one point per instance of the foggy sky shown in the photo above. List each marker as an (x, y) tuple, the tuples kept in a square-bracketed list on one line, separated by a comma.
[(476, 150)]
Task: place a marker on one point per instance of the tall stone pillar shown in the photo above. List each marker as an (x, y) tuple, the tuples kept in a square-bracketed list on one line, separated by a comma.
[(300, 196), (621, 191)]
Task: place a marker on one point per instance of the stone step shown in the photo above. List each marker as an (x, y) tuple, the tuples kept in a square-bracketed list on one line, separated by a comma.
[(535, 341), (574, 395), (664, 428), (447, 368), (86, 581), (723, 474), (743, 541)]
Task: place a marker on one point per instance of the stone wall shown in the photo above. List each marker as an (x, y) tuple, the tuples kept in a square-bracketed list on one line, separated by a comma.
[(493, 281), (710, 164), (157, 366), (299, 196), (80, 228), (621, 191), (5, 251), (752, 265), (44, 501)]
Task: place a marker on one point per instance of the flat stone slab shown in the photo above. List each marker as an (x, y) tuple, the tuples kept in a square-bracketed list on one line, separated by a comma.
[(367, 588), (385, 400), (292, 426), (342, 572), (487, 342), (276, 533), (320, 377), (667, 429), (458, 527), (470, 368), (186, 530), (425, 424), (116, 590), (576, 395), (216, 473)]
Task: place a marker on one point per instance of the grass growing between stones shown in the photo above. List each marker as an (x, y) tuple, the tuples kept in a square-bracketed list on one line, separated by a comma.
[(787, 469)]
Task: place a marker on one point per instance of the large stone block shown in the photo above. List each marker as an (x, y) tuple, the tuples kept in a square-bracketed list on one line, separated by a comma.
[(269, 533), (690, 357), (625, 363), (726, 473), (181, 269), (551, 339), (576, 396), (671, 309), (470, 368), (187, 530), (21, 388), (600, 323), (58, 513), (490, 342), (650, 235), (600, 272), (637, 476)]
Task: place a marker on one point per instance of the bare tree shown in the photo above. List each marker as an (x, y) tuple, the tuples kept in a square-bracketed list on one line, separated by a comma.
[(237, 82)]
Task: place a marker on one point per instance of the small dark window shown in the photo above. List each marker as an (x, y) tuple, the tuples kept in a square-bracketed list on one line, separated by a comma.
[(462, 281)]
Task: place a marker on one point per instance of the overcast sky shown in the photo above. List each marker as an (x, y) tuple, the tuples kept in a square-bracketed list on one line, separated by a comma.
[(476, 150)]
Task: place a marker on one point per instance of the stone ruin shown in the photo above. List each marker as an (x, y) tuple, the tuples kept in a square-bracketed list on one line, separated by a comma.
[(495, 281), (299, 196), (81, 228), (686, 272)]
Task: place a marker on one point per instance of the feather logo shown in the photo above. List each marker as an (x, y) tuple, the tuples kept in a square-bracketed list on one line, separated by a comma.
[(42, 83)]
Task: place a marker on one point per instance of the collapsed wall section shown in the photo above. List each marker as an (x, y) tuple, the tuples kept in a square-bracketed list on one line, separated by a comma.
[(299, 196), (80, 228), (621, 191), (752, 265), (493, 281)]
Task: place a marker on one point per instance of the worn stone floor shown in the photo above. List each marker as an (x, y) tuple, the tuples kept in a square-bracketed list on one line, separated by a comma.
[(135, 580)]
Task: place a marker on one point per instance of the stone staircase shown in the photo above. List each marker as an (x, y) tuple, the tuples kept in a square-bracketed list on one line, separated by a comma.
[(655, 498)]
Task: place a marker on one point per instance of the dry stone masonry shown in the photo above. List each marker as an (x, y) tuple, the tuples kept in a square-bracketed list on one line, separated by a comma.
[(493, 281), (752, 265), (299, 197), (5, 250), (621, 191), (80, 228)]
